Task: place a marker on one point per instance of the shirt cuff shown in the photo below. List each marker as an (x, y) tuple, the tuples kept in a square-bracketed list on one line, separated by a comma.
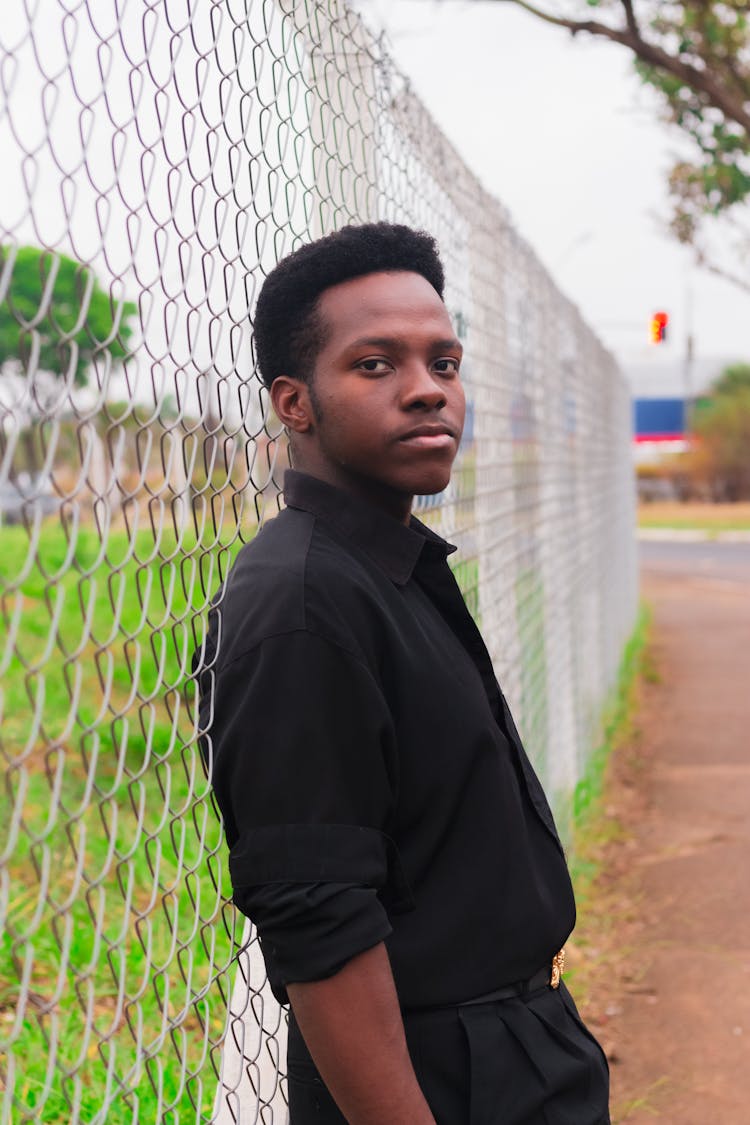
[(308, 931), (321, 853)]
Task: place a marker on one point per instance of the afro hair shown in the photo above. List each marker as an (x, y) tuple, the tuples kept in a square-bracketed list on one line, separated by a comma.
[(289, 333)]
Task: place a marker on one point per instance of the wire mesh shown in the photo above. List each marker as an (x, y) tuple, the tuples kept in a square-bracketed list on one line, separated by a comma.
[(158, 158)]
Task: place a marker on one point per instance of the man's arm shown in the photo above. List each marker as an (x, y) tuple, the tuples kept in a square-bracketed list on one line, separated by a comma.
[(351, 1023), (305, 780)]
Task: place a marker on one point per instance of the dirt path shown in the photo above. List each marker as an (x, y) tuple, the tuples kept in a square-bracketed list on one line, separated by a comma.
[(671, 991)]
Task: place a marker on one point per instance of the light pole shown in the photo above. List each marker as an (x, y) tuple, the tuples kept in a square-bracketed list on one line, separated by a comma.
[(688, 362)]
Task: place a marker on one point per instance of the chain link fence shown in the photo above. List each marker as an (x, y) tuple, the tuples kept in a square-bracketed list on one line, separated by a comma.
[(157, 160)]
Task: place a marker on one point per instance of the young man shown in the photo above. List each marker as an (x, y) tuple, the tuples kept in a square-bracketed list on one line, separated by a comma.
[(388, 834)]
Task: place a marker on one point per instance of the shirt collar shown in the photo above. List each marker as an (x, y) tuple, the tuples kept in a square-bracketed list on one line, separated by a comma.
[(394, 546)]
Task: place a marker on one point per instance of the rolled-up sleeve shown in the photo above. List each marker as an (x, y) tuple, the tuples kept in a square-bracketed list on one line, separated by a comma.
[(302, 755)]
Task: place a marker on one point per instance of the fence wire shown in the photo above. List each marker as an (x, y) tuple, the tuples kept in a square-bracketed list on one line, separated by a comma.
[(157, 159)]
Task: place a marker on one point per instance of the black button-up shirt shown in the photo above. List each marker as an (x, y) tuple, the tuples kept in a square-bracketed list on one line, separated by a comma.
[(371, 779)]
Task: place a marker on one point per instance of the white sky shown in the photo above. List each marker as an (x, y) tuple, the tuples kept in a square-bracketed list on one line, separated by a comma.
[(565, 134), (559, 129)]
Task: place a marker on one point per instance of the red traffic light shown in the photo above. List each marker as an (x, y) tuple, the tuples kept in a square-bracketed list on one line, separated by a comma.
[(658, 327)]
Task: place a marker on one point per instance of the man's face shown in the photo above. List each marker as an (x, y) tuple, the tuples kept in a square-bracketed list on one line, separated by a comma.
[(387, 397)]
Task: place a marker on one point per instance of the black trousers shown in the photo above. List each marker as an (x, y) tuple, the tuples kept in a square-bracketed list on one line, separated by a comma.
[(525, 1061)]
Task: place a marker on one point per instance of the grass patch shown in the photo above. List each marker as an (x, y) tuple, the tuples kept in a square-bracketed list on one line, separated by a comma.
[(592, 828), (530, 623), (117, 937), (466, 573), (693, 516), (644, 1103), (116, 928), (116, 933)]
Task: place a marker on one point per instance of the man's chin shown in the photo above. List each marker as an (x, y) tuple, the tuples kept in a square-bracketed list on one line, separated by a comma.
[(430, 484)]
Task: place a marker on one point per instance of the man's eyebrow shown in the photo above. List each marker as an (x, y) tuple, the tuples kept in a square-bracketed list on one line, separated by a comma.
[(449, 345), (392, 342)]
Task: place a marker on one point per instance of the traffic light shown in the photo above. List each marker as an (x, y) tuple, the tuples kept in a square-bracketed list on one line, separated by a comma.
[(658, 327)]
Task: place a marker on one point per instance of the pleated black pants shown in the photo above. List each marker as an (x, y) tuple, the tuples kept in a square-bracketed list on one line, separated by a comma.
[(526, 1061)]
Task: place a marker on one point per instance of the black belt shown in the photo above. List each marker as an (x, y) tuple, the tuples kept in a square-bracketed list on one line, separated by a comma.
[(542, 979), (510, 991)]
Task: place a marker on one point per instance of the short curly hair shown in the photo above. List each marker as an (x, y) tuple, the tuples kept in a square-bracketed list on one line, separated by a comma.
[(289, 332)]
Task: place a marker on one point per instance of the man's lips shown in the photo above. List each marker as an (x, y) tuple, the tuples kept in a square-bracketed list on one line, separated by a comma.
[(430, 436)]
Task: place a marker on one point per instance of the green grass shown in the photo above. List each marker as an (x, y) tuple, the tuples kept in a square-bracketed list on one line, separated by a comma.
[(115, 885), (712, 527), (711, 518), (529, 602), (466, 573), (592, 828), (616, 725), (116, 923), (116, 926)]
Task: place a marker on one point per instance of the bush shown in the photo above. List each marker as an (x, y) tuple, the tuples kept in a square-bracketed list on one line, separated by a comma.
[(719, 462)]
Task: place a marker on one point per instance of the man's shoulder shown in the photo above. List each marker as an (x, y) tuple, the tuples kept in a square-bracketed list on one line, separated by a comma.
[(281, 544), (264, 591), (294, 575), (292, 550)]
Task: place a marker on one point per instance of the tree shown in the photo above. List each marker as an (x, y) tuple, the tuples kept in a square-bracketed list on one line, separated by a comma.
[(696, 55), (733, 379), (722, 429), (55, 320), (55, 316)]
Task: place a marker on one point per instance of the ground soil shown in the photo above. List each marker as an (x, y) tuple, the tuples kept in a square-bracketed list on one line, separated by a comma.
[(664, 947)]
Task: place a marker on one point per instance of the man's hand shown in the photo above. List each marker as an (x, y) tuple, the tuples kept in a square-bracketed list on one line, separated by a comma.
[(351, 1023)]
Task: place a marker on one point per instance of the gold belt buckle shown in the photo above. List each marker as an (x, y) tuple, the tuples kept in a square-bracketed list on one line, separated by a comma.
[(558, 968)]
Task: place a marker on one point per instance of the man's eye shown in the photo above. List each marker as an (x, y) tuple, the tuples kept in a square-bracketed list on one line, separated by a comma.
[(374, 366), (447, 365)]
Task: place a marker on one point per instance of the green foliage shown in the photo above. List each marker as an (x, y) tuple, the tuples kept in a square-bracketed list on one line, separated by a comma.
[(712, 40), (718, 465), (696, 55), (56, 316), (733, 379), (723, 430)]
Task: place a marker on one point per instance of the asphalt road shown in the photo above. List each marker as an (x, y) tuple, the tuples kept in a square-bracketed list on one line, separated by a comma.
[(722, 562)]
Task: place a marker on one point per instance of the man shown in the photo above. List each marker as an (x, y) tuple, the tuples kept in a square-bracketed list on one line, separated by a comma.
[(388, 835)]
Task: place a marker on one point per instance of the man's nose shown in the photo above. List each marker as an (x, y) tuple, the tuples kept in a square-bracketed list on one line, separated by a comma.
[(422, 388)]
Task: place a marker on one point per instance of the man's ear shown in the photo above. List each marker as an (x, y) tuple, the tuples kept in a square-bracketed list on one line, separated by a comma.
[(291, 401)]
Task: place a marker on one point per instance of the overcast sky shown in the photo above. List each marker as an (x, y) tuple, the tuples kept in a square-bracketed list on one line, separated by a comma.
[(564, 133)]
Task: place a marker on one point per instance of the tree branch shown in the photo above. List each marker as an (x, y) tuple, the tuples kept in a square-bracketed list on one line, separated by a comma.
[(630, 19), (740, 81), (699, 80), (706, 263)]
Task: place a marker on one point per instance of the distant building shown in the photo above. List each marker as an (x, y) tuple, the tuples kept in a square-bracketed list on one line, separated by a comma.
[(660, 383), (659, 428)]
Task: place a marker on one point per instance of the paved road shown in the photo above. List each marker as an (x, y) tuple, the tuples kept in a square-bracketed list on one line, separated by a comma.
[(683, 1032), (728, 562)]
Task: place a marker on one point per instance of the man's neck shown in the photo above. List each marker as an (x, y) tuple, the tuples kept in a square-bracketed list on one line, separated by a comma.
[(394, 504)]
